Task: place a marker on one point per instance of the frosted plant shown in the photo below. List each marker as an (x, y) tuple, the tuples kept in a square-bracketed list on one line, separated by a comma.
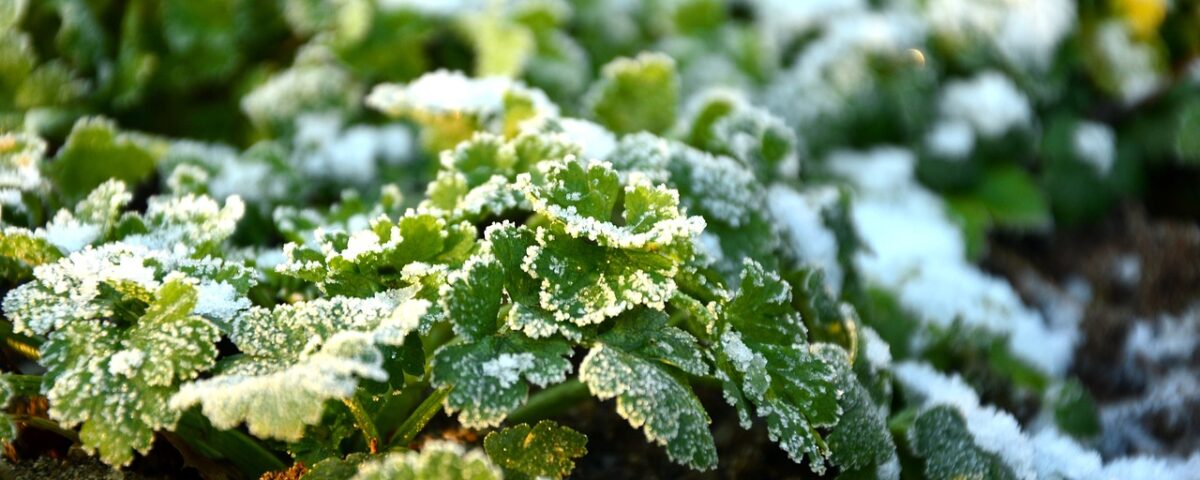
[(115, 378), (273, 281), (316, 83), (21, 156), (570, 258), (437, 460), (295, 357)]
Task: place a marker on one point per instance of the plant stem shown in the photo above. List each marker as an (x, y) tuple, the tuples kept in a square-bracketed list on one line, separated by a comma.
[(24, 385), (398, 408), (47, 425), (362, 420), (421, 416), (551, 401), (243, 451)]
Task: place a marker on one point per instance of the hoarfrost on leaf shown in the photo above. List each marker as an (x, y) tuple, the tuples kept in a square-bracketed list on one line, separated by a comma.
[(491, 377), (297, 356), (653, 399), (437, 460), (98, 376)]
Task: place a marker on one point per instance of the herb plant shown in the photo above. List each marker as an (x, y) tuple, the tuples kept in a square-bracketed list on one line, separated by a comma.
[(331, 242)]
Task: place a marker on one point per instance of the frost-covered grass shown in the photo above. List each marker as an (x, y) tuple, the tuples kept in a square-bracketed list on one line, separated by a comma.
[(288, 234)]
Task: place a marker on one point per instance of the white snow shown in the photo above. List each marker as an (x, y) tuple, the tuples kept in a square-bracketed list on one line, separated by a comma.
[(219, 300), (799, 217), (917, 252), (451, 92), (69, 234), (989, 102), (1096, 145), (951, 139)]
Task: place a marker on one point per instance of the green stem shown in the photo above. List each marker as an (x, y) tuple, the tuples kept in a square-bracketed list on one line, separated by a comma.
[(421, 416), (47, 425), (245, 452), (24, 385), (551, 401), (399, 406), (362, 420)]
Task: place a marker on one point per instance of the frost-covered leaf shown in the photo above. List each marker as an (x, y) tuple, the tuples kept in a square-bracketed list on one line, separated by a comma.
[(95, 283), (651, 397), (437, 460), (195, 221), (731, 200), (96, 151), (473, 295), (940, 436), (359, 262), (295, 357), (315, 83), (453, 106), (546, 450), (767, 362), (861, 441), (636, 94), (592, 266), (723, 122), (117, 381), (509, 244), (491, 377), (72, 288)]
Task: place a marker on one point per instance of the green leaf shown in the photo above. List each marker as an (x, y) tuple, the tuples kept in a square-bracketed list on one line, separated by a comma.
[(21, 250), (546, 450), (1013, 198), (96, 151), (1075, 411), (117, 382), (502, 47), (940, 437), (472, 297), (8, 430), (491, 377), (650, 397), (437, 460), (336, 468), (860, 441), (636, 94), (1188, 137)]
